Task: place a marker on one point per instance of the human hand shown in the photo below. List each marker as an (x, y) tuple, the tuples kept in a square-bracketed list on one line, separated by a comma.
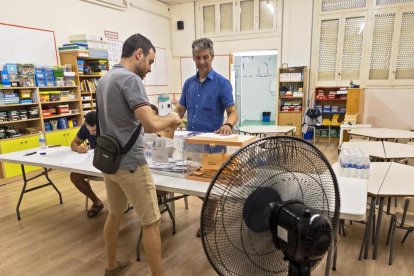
[(224, 130), (83, 148), (176, 120)]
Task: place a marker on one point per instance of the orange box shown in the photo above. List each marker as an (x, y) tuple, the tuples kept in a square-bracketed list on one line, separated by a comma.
[(213, 161), (62, 109), (46, 113)]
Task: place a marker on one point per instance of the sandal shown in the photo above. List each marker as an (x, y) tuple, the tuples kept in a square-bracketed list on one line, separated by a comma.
[(94, 211)]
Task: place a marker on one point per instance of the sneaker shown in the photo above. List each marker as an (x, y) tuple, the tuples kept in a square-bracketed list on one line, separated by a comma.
[(120, 270)]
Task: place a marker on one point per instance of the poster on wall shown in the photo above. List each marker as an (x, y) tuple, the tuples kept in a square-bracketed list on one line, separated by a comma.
[(114, 52)]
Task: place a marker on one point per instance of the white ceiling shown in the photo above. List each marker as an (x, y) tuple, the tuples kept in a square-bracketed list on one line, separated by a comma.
[(174, 2)]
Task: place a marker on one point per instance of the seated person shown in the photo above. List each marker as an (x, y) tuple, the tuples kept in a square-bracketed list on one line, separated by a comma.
[(86, 134)]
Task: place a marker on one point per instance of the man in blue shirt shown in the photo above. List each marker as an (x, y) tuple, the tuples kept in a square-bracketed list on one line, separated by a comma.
[(206, 96), (85, 139)]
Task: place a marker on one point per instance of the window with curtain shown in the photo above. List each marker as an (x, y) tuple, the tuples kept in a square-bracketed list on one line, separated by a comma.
[(226, 17), (328, 44), (392, 2), (247, 15), (381, 46), (405, 58), (334, 5), (209, 19), (267, 10), (352, 48)]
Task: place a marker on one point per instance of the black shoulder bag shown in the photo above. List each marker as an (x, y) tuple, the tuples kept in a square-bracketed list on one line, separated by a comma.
[(108, 152)]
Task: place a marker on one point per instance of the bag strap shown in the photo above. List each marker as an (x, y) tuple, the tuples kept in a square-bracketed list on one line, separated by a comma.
[(131, 140)]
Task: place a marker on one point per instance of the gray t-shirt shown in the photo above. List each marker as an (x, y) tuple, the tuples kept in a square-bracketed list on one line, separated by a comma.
[(119, 93)]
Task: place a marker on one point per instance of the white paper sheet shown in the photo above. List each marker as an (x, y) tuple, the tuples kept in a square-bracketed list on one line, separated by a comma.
[(76, 158)]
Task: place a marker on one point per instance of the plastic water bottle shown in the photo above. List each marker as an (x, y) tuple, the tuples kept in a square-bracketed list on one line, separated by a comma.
[(42, 140), (366, 163), (359, 164), (148, 147)]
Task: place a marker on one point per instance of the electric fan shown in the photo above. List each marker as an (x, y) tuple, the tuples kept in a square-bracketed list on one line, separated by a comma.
[(271, 209)]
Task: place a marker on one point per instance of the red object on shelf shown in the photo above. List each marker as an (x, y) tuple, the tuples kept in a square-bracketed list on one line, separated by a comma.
[(62, 109), (46, 113)]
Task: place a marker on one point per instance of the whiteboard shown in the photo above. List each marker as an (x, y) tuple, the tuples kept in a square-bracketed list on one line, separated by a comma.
[(221, 64), (158, 75), (21, 44)]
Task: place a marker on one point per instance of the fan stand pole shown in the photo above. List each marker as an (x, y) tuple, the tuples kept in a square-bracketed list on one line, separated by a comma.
[(296, 269)]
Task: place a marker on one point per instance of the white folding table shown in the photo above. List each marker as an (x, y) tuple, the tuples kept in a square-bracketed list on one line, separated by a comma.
[(267, 130)]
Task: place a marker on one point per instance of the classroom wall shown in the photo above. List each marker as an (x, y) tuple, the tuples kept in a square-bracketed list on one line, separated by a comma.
[(389, 107), (151, 18), (182, 39), (297, 32), (294, 33)]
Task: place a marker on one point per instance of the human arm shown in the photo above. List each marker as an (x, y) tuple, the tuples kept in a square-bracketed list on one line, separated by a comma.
[(180, 110), (153, 123), (226, 129)]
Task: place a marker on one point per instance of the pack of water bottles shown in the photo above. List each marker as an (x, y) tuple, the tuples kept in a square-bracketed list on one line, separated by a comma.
[(354, 162)]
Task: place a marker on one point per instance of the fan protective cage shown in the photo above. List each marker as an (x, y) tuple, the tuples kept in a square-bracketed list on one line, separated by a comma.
[(296, 169)]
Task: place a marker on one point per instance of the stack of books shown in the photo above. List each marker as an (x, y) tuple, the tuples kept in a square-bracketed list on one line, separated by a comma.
[(81, 49), (95, 44), (321, 95), (332, 95)]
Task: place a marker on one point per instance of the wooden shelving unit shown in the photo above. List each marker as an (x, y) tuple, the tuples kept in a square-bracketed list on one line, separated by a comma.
[(87, 82), (292, 94), (334, 102), (29, 127)]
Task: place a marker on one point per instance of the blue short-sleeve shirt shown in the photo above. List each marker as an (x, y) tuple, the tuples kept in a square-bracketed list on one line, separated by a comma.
[(206, 102), (84, 134)]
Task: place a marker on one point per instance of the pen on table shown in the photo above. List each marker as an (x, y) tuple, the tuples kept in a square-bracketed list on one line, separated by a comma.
[(53, 146), (30, 153), (85, 145)]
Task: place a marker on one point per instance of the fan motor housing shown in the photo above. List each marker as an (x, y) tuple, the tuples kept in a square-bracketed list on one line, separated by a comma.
[(302, 234)]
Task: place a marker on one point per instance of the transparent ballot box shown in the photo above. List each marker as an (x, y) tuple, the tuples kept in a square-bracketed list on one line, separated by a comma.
[(166, 156), (206, 152)]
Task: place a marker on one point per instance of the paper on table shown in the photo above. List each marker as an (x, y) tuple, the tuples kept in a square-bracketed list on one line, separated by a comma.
[(75, 158), (217, 136)]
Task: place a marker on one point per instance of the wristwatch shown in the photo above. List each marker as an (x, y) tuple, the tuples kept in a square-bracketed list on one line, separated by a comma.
[(228, 124)]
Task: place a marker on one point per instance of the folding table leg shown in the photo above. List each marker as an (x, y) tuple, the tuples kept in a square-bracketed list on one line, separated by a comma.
[(24, 190)]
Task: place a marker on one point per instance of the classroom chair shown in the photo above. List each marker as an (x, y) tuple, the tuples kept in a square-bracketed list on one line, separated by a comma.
[(313, 121), (401, 220)]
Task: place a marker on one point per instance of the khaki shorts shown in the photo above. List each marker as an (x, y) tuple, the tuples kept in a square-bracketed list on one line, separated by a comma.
[(136, 188)]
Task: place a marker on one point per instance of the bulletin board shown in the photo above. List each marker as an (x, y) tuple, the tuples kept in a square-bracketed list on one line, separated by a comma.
[(158, 75), (221, 64), (20, 44)]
